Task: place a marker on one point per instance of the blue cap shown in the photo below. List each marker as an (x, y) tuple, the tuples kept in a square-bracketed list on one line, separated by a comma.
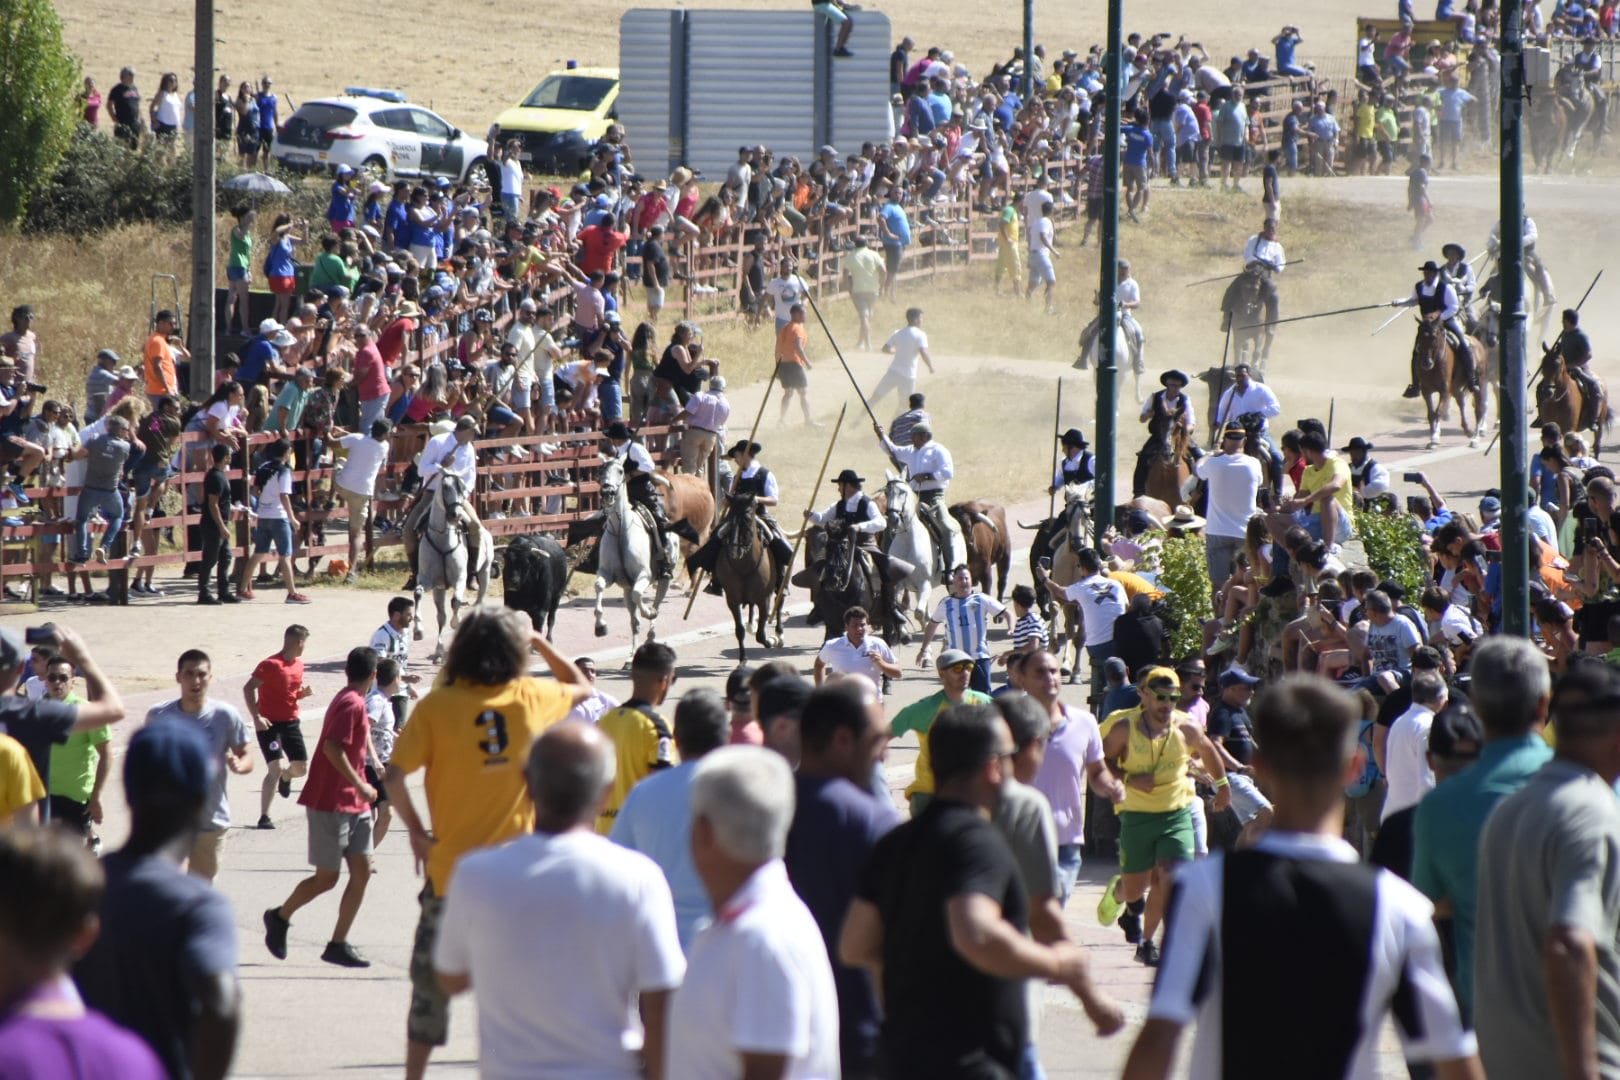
[(603, 201), (168, 761), (1235, 676)]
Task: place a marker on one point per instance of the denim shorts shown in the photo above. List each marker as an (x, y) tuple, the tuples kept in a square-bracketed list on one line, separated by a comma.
[(273, 533), (236, 273), (501, 415), (522, 396), (148, 476)]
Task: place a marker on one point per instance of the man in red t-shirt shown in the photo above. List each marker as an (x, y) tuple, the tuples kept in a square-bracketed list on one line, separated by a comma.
[(391, 342), (338, 803), (370, 377), (272, 697), (597, 246)]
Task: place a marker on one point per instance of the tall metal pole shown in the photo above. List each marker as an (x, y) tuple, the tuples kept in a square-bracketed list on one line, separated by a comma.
[(1108, 277), (202, 207), (1027, 90), (1511, 400)]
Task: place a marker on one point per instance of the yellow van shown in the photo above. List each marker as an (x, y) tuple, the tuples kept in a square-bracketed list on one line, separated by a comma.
[(562, 118)]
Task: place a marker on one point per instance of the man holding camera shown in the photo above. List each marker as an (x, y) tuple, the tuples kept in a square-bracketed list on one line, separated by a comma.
[(16, 406)]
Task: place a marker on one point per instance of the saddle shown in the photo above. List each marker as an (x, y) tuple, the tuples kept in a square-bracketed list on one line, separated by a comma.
[(645, 514)]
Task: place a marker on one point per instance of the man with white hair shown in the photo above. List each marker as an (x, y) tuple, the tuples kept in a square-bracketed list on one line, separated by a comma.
[(758, 999), (562, 933), (705, 414)]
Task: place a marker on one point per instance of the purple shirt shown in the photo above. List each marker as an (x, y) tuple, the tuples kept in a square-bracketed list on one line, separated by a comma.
[(80, 1044), (1075, 744)]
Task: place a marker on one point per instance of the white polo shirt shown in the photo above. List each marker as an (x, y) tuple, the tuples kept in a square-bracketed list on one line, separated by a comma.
[(839, 655), (758, 981)]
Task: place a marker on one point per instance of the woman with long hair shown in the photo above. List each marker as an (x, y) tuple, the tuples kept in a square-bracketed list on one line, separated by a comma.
[(643, 343), (239, 267), (167, 112), (247, 126), (280, 268)]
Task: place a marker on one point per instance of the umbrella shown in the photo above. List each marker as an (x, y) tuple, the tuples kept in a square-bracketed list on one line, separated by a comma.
[(256, 183)]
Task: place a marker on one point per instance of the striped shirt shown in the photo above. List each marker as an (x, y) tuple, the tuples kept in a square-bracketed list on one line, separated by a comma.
[(967, 622), (1029, 629), (1361, 938)]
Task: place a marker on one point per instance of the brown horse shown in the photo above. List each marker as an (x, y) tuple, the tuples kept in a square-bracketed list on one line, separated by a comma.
[(1559, 401), (743, 570), (1167, 466), (984, 528), (1441, 380)]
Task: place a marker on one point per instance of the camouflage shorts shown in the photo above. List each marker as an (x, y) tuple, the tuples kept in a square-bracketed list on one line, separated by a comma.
[(430, 1010)]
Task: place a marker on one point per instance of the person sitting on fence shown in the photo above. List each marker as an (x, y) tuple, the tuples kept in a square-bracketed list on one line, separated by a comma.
[(451, 451)]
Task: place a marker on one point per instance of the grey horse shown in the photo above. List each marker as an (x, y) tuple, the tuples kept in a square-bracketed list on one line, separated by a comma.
[(442, 562)]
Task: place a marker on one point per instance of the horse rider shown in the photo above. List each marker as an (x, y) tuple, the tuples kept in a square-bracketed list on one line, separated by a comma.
[(1263, 256), (1590, 65), (1460, 276), (453, 452), (1246, 397), (1436, 300), (1078, 465), (1533, 265), (1165, 412), (751, 478), (645, 488), (929, 471), (1576, 349), (859, 515), (1127, 298), (1368, 478)]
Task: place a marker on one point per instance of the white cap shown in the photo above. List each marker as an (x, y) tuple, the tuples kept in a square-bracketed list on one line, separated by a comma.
[(270, 326)]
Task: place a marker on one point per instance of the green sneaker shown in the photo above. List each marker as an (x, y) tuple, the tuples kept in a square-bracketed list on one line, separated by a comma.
[(1109, 907)]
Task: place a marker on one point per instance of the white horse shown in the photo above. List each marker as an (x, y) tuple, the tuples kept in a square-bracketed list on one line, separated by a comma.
[(443, 556), (624, 557), (1130, 348), (912, 543)]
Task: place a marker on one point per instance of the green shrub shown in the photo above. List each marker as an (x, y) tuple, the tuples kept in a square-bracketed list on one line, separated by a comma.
[(1394, 546), (38, 106), (1185, 580)]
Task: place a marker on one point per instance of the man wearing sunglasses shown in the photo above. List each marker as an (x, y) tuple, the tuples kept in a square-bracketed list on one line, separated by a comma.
[(79, 766), (1150, 747), (955, 669)]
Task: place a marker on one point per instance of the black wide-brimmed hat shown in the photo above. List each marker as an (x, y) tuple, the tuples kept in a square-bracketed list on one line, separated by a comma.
[(848, 477), (1073, 437), (1177, 374), (1447, 249), (743, 444), (618, 429)]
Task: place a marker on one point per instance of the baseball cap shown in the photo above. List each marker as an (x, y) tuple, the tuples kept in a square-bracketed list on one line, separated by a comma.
[(1236, 676), (783, 697), (950, 657), (168, 761), (737, 685), (1114, 668), (1456, 733), (1158, 678), (1490, 504)]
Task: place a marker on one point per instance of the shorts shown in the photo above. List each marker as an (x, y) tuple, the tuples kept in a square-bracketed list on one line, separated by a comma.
[(864, 302), (833, 12), (891, 258), (655, 296), (374, 778), (522, 395), (70, 813), (339, 226), (335, 836), (426, 254), (1147, 839), (275, 533), (1247, 802), (1040, 268), (791, 376), (1451, 131), (1094, 209), (546, 391), (1312, 523), (1134, 174), (429, 1019), (284, 740), (236, 273), (1366, 147), (147, 477), (358, 504), (203, 861), (500, 415), (1234, 154), (282, 286)]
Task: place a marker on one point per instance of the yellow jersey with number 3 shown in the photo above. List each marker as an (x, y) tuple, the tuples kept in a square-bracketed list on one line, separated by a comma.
[(474, 740)]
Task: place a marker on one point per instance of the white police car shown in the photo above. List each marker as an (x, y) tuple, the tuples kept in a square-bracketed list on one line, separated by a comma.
[(381, 135)]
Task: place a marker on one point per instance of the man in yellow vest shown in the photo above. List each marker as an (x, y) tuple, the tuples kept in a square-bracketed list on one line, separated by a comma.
[(1150, 747)]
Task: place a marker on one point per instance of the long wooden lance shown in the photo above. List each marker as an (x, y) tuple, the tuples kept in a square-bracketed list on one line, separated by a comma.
[(1318, 315), (840, 354), (1229, 277), (1057, 424), (781, 592)]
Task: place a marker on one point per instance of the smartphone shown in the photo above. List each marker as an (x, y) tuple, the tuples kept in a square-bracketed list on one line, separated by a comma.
[(1412, 477), (40, 635)]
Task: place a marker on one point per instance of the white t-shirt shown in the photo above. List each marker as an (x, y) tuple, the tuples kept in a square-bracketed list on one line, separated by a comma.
[(1406, 760), (366, 458), (758, 980), (1234, 480), (512, 177), (1101, 600), (839, 655), (784, 293), (1128, 292), (906, 342), (559, 935), (270, 508), (1040, 235), (1454, 623), (1033, 203)]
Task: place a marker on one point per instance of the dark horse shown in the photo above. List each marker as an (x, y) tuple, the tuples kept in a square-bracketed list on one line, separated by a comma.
[(1244, 310), (743, 570), (1440, 377), (845, 580), (1559, 401)]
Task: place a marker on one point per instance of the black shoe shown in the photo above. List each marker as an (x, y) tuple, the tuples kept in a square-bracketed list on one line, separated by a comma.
[(842, 53), (410, 584), (229, 598), (1411, 391), (284, 786), (275, 933), (205, 598), (1147, 954), (265, 822), (342, 954), (1131, 923)]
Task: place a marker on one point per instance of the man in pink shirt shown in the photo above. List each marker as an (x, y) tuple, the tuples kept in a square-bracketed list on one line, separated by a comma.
[(370, 377)]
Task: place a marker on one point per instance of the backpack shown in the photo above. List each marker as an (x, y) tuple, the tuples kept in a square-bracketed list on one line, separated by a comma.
[(1362, 784)]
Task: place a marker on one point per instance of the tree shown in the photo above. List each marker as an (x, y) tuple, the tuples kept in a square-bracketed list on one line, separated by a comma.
[(38, 101)]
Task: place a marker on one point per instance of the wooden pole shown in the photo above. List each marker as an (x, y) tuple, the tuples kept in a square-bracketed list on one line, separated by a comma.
[(1215, 420), (840, 354), (1057, 423), (776, 608), (697, 578)]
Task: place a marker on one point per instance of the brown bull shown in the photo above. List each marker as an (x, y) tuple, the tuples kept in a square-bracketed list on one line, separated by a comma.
[(984, 529)]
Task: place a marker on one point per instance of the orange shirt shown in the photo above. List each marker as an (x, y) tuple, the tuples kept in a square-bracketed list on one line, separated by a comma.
[(790, 343), (160, 377)]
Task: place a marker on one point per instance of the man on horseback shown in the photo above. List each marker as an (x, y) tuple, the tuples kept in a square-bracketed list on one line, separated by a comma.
[(755, 480), (929, 470), (1167, 413), (1078, 465), (644, 487), (454, 453), (1590, 66), (1246, 397), (1263, 257), (1533, 266), (1127, 298), (1460, 276), (858, 516), (1576, 349), (1436, 301)]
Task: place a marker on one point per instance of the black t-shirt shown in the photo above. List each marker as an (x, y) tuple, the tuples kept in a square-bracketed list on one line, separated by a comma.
[(1230, 724), (38, 725), (1392, 848), (945, 1018), (163, 931), (125, 103), (215, 483)]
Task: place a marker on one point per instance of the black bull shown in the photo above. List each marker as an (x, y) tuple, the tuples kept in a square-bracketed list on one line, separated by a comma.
[(536, 575)]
